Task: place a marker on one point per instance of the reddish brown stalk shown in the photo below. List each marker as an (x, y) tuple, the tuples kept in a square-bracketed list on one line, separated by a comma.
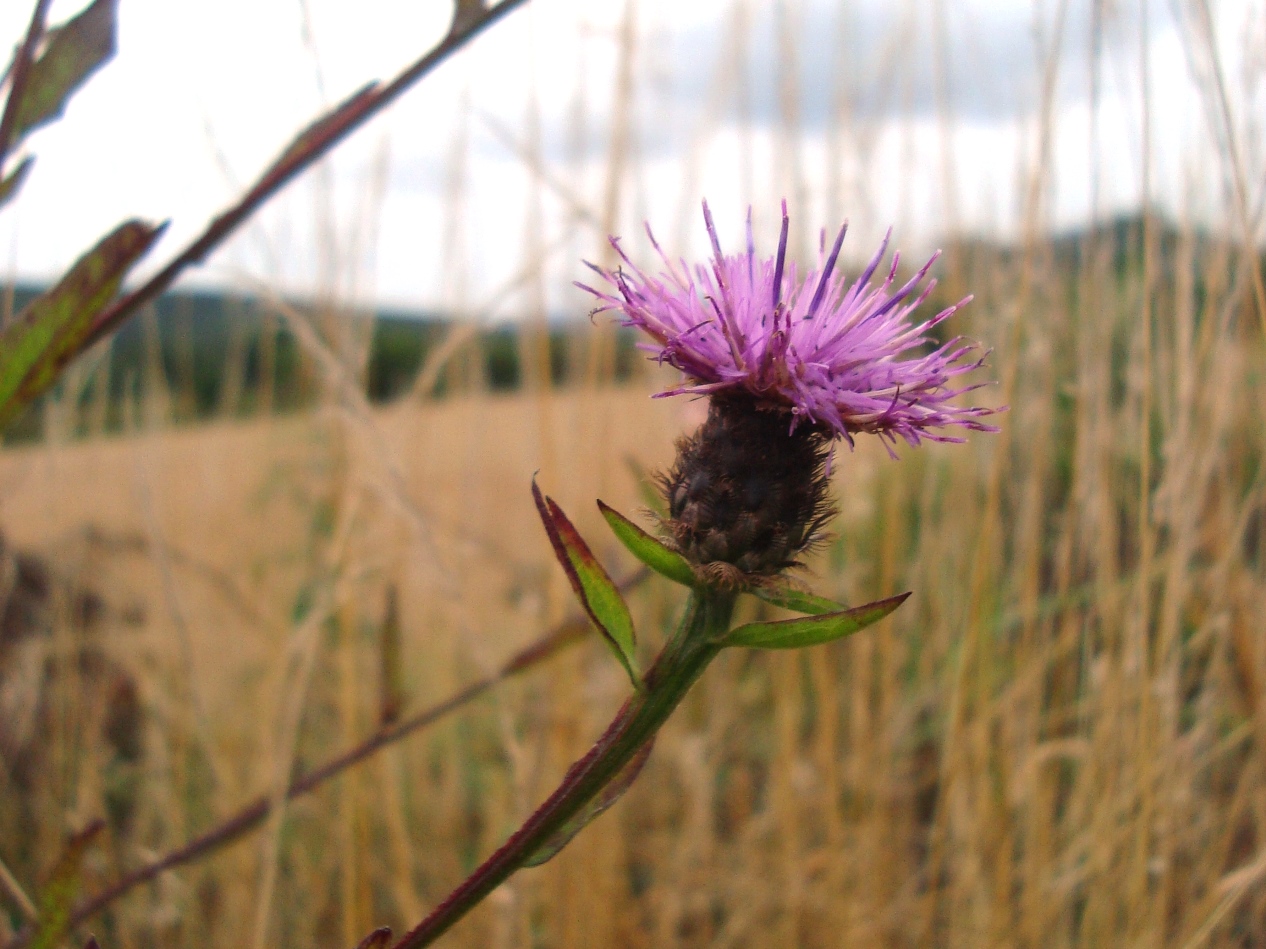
[(312, 143), (254, 814), (675, 669)]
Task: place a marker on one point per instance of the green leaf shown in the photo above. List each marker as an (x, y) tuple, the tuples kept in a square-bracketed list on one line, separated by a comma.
[(790, 598), (594, 588), (59, 892), (72, 52), (9, 186), (813, 630), (52, 328), (605, 799), (647, 549)]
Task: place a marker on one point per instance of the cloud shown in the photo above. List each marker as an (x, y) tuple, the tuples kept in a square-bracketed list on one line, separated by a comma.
[(193, 95)]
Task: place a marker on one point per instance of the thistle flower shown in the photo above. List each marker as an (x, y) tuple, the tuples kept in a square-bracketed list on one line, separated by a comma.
[(828, 352), (791, 365), (746, 495)]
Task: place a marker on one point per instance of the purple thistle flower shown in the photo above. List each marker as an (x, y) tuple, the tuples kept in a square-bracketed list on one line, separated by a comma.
[(829, 352)]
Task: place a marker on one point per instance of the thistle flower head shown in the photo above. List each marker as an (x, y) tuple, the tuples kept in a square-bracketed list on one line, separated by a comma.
[(791, 365), (841, 357)]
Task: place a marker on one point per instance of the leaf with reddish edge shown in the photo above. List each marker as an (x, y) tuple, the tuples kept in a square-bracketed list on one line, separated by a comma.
[(59, 892), (605, 799), (812, 630), (790, 598), (51, 329), (92, 943), (13, 181), (72, 53), (647, 549), (594, 588)]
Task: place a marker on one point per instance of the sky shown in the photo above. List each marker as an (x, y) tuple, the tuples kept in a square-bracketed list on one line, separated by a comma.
[(921, 114)]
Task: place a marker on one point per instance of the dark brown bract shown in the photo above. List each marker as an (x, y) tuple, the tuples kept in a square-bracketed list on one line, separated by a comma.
[(747, 496)]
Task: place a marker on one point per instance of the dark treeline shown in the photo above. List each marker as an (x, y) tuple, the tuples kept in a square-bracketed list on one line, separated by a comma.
[(217, 354)]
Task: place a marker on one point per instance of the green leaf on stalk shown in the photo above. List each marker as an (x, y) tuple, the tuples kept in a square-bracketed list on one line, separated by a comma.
[(58, 894), (605, 799), (790, 598), (320, 129), (10, 184), (649, 550), (812, 630), (52, 328), (597, 593), (72, 52)]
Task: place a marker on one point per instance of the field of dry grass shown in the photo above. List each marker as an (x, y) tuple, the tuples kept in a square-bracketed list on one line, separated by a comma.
[(1058, 741)]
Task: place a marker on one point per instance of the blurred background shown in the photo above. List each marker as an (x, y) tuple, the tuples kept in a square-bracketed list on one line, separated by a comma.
[(291, 500)]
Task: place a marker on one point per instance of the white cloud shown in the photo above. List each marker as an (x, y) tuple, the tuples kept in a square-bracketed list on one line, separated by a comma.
[(202, 96)]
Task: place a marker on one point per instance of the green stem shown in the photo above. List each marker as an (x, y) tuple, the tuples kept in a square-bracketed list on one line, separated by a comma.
[(674, 671)]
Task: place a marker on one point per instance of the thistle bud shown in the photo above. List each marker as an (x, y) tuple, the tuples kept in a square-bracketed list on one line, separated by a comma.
[(747, 495)]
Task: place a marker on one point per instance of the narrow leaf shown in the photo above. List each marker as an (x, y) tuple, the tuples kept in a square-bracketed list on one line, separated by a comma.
[(605, 799), (466, 13), (302, 145), (813, 630), (594, 588), (647, 549), (59, 892), (71, 54), (377, 939), (790, 598), (10, 185), (51, 329)]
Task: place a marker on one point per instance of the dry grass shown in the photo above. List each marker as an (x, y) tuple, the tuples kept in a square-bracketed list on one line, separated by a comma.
[(1040, 749), (1059, 741)]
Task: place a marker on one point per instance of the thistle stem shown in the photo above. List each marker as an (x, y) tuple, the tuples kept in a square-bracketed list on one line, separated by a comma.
[(670, 677)]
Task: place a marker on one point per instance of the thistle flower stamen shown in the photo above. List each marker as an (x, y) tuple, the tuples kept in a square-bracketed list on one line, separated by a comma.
[(828, 359), (826, 271), (781, 260)]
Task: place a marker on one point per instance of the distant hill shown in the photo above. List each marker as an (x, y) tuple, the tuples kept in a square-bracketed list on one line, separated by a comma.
[(225, 354), (222, 354)]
